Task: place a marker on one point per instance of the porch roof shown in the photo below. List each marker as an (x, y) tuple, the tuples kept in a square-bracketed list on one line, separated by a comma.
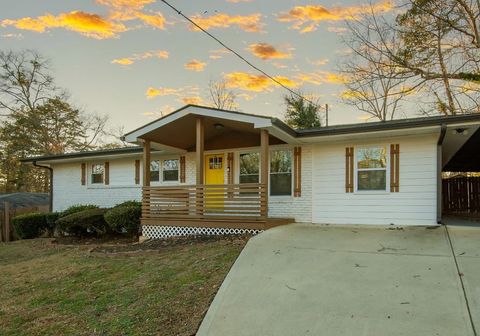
[(223, 129)]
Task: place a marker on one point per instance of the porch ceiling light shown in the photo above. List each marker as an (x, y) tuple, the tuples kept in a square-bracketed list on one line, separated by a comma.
[(461, 131), (218, 126)]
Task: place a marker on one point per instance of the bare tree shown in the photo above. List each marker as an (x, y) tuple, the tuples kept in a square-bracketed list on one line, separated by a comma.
[(25, 81), (372, 82), (431, 46), (221, 97)]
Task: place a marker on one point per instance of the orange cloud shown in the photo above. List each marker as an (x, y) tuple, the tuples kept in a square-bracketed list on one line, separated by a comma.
[(87, 24), (154, 92), (127, 10), (249, 23), (267, 51), (195, 65), (306, 18), (320, 77), (121, 4), (319, 62), (179, 92), (256, 83), (136, 57), (192, 100)]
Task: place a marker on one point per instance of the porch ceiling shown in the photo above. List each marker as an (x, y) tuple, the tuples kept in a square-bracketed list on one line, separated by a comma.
[(234, 134)]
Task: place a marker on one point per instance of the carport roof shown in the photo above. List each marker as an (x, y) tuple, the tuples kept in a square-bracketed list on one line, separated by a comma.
[(467, 159)]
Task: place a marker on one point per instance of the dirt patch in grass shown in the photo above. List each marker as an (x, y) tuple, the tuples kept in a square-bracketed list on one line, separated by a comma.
[(162, 287)]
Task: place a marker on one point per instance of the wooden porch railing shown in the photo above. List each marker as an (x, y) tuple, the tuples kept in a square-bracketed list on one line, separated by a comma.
[(219, 202)]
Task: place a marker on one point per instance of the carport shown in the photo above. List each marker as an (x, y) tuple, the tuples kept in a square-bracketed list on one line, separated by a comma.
[(461, 172)]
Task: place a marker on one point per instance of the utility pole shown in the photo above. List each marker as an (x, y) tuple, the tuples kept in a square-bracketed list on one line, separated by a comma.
[(326, 115)]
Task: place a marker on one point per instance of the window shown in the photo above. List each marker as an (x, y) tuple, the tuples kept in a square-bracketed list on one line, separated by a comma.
[(281, 173), (215, 162), (97, 173), (170, 170), (371, 168), (155, 170), (249, 168)]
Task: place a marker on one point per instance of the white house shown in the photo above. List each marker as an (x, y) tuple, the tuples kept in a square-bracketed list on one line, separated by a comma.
[(211, 171)]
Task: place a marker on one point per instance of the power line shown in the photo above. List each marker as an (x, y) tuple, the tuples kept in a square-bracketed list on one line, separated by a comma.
[(240, 56)]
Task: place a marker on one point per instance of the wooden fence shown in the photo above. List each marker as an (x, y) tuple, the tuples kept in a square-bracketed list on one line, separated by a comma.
[(7, 233), (461, 195)]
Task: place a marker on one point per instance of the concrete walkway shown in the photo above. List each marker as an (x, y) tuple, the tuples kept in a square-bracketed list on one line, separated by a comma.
[(338, 280)]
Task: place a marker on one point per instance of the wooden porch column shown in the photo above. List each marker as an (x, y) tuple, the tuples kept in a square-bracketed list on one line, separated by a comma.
[(199, 164), (146, 163), (264, 162), (200, 145)]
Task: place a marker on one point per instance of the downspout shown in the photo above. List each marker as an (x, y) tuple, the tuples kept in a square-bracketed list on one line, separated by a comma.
[(35, 164), (441, 138)]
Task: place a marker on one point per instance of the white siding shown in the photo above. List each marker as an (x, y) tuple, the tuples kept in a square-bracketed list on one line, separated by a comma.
[(68, 190), (415, 204)]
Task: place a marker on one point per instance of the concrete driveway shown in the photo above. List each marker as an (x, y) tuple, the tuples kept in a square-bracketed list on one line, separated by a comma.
[(346, 280)]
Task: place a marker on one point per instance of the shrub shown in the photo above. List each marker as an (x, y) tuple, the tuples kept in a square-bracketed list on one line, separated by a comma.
[(83, 223), (129, 203), (77, 208), (125, 217), (30, 225), (50, 219)]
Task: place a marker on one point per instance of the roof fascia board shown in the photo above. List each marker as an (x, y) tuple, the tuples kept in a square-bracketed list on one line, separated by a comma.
[(371, 134)]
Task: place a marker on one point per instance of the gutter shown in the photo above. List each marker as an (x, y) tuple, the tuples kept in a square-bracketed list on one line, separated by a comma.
[(441, 138), (34, 163)]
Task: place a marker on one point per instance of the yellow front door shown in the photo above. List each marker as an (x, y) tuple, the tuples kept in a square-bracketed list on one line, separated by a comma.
[(214, 174)]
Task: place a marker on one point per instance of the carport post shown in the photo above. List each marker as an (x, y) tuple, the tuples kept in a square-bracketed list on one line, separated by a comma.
[(443, 131)]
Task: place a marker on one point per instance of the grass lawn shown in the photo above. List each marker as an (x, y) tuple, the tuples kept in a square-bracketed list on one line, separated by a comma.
[(161, 288)]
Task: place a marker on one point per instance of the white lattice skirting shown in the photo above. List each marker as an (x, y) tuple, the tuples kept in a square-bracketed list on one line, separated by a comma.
[(157, 232)]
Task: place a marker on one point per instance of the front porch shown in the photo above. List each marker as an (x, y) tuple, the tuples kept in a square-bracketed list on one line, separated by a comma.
[(217, 202)]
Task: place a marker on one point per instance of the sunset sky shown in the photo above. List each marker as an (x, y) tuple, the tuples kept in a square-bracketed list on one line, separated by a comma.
[(135, 60)]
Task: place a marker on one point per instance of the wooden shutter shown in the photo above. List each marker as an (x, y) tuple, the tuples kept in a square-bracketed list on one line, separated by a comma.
[(349, 169), (230, 168), (182, 169), (297, 171), (107, 173), (83, 177), (137, 171), (394, 168)]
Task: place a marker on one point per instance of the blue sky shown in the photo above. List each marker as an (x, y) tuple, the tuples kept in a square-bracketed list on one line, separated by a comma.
[(135, 60)]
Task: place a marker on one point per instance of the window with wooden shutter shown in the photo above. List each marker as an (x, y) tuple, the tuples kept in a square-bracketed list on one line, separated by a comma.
[(137, 171), (182, 169), (297, 168), (394, 168), (107, 173), (349, 170), (84, 173)]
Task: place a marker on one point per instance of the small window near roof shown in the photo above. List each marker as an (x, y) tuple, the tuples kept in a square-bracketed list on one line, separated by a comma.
[(155, 171), (97, 173), (281, 173), (372, 169), (170, 170)]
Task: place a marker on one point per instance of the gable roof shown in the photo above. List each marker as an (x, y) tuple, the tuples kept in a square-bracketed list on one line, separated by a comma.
[(259, 121)]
